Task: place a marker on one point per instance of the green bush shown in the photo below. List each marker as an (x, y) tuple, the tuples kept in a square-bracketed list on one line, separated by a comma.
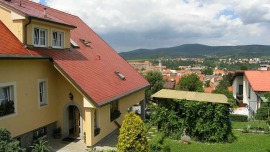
[(262, 113), (206, 122), (239, 118), (8, 144), (168, 121), (132, 136), (41, 146)]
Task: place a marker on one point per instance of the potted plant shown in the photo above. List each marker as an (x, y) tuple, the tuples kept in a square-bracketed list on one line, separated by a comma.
[(57, 133)]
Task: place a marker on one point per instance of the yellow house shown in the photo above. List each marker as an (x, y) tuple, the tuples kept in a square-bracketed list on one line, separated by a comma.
[(57, 72)]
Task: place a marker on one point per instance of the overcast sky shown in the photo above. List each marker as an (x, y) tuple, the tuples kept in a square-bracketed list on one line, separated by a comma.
[(134, 24)]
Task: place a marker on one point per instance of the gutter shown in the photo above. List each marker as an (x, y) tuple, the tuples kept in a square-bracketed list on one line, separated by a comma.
[(25, 29)]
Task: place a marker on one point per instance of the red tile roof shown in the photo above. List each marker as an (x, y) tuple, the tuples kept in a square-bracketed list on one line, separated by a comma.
[(95, 78), (33, 10), (259, 80), (10, 44), (209, 89)]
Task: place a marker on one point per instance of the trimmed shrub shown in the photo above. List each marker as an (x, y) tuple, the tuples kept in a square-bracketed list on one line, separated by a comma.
[(239, 118), (132, 136)]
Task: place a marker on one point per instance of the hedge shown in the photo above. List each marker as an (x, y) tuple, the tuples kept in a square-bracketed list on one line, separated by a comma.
[(206, 122), (239, 118)]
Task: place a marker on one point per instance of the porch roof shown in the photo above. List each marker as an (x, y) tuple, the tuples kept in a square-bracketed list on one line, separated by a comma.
[(191, 96)]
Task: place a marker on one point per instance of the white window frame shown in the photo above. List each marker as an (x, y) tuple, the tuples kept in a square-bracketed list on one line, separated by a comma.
[(59, 34), (13, 97), (39, 41), (43, 96)]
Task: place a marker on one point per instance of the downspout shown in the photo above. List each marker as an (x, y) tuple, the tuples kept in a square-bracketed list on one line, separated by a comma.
[(143, 103), (25, 30)]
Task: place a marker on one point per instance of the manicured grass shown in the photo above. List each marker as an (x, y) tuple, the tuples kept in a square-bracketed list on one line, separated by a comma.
[(241, 125), (246, 142)]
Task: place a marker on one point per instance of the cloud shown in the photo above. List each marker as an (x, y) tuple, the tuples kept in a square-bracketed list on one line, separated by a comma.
[(129, 24)]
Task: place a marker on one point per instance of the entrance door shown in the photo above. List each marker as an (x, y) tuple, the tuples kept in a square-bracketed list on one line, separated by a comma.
[(240, 90), (76, 114), (74, 121)]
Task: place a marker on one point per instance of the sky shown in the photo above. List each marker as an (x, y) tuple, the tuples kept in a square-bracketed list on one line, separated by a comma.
[(132, 24)]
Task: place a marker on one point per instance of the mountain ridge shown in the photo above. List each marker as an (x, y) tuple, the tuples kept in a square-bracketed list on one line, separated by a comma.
[(199, 50)]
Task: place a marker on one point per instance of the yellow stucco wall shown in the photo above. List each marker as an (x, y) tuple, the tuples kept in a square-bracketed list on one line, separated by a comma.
[(15, 26), (105, 125), (29, 115)]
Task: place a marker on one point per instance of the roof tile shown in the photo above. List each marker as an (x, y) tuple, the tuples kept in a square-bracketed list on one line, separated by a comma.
[(259, 80)]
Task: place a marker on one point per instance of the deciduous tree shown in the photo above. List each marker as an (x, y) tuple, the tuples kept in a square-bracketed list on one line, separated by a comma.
[(156, 82), (190, 82)]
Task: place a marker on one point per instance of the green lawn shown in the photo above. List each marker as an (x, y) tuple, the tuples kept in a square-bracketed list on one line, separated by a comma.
[(246, 142)]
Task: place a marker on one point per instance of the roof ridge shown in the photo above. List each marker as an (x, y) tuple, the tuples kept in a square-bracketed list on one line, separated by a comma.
[(53, 9)]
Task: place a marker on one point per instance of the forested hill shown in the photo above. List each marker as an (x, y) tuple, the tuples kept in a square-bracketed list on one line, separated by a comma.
[(198, 50)]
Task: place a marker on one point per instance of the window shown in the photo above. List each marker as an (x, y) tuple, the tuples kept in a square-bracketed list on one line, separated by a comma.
[(42, 92), (39, 133), (57, 39), (6, 99), (96, 128), (40, 36), (114, 111)]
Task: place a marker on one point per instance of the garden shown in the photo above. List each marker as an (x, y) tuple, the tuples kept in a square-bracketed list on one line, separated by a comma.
[(200, 126)]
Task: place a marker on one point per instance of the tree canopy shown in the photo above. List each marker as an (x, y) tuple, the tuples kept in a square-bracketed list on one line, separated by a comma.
[(207, 71), (156, 82), (190, 82)]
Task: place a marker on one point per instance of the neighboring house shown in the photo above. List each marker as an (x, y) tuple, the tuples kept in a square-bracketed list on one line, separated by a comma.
[(249, 88), (57, 72)]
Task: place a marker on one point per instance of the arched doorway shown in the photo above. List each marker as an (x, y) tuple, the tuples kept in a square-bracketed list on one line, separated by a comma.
[(72, 120)]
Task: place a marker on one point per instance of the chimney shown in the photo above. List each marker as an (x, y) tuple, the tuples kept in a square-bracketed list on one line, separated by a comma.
[(45, 12)]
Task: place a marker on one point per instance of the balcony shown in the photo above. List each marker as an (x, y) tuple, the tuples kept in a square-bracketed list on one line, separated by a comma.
[(239, 97)]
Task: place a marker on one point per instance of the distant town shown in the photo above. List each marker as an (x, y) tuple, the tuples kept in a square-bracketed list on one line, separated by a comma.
[(209, 70)]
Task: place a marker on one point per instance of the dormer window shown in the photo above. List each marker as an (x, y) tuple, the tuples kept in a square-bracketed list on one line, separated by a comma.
[(40, 36), (57, 39)]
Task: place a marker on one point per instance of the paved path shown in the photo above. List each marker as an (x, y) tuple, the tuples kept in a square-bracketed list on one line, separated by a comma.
[(107, 143), (64, 146)]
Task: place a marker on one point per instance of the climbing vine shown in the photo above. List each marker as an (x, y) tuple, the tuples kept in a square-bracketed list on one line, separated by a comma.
[(207, 122)]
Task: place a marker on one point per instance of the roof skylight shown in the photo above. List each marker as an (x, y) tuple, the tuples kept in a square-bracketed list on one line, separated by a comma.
[(74, 44), (121, 76), (86, 43)]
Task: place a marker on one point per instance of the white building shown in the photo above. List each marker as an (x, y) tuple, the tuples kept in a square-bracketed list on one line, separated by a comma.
[(249, 88)]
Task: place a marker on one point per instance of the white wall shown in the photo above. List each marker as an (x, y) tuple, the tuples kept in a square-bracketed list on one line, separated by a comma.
[(253, 99), (236, 82)]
